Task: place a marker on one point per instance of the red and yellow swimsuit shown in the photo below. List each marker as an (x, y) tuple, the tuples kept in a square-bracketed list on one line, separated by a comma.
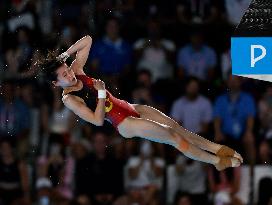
[(116, 110)]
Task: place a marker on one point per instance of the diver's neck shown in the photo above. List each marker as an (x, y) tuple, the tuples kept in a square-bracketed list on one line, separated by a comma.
[(76, 84)]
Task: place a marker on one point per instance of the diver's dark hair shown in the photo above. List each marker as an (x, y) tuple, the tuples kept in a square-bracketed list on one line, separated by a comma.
[(49, 65)]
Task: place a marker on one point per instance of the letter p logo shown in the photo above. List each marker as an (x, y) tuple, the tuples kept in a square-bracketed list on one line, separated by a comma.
[(256, 59)]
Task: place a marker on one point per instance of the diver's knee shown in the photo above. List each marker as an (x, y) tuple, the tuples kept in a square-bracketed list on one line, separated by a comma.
[(184, 145)]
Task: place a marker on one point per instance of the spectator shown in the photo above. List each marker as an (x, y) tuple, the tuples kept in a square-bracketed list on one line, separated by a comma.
[(192, 179), (144, 78), (82, 178), (57, 122), (32, 101), (14, 181), (105, 170), (58, 167), (150, 8), (265, 193), (196, 59), (102, 9), (146, 169), (234, 114), (193, 110), (69, 33), (14, 114), (44, 12), (183, 198), (155, 53), (21, 14), (83, 200), (265, 152), (111, 55), (44, 191), (19, 54), (143, 91), (224, 185), (265, 114), (69, 10), (102, 179), (139, 195), (197, 11), (265, 117)]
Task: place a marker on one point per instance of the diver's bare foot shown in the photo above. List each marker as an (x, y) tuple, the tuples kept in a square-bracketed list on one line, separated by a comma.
[(226, 151), (226, 162)]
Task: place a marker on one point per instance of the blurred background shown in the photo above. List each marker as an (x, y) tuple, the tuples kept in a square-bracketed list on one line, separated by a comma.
[(173, 55)]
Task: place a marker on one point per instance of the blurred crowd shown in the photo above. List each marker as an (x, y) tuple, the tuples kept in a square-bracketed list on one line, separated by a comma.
[(173, 55)]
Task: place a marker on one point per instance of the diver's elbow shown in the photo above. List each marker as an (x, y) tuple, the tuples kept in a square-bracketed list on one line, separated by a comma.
[(89, 38)]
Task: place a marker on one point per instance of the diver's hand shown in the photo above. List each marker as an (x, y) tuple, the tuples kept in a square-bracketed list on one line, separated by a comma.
[(63, 57), (99, 84)]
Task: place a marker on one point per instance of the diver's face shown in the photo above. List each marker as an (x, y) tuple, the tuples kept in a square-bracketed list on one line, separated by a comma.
[(65, 76)]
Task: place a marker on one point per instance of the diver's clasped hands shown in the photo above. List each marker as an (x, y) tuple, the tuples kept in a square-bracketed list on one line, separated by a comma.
[(63, 57)]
